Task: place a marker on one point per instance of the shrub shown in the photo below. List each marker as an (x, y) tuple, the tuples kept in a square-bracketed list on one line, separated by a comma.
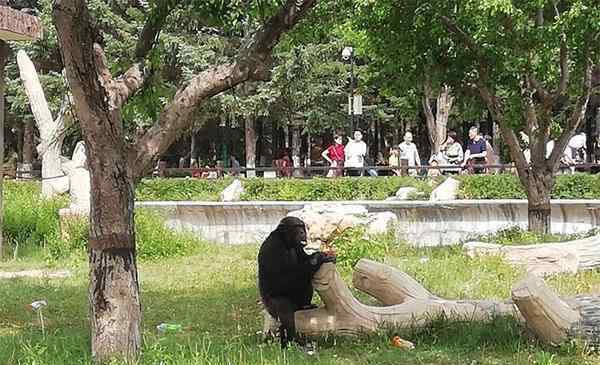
[(503, 186), (155, 240), (28, 219), (175, 189), (74, 239), (366, 188), (577, 186), (354, 244)]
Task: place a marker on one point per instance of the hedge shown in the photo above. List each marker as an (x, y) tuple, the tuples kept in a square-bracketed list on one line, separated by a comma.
[(505, 186), (576, 186)]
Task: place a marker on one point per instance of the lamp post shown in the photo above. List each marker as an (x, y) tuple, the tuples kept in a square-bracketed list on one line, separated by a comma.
[(348, 56)]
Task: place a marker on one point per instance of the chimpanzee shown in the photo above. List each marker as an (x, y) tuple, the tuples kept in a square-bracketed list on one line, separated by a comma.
[(285, 274)]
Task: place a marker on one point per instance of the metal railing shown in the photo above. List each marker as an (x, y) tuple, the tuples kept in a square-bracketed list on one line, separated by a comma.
[(312, 171), (320, 171)]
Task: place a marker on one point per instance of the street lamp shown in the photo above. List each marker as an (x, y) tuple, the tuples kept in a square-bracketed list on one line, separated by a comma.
[(348, 56)]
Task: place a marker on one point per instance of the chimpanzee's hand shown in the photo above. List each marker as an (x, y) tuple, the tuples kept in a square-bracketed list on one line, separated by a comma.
[(319, 258)]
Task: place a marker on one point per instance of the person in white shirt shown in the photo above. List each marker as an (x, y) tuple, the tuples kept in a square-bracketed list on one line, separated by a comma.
[(409, 155), (355, 152)]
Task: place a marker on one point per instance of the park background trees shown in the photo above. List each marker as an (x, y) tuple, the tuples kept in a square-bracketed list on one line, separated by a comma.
[(530, 63)]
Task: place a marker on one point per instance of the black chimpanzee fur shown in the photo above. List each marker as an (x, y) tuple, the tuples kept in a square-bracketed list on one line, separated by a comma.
[(285, 274)]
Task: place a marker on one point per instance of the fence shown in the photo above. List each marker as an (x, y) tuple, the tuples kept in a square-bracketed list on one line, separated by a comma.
[(314, 171), (320, 171)]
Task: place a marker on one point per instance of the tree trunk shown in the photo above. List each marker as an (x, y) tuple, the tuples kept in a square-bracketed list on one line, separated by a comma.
[(251, 138), (114, 290), (437, 125), (4, 53), (28, 141), (193, 148), (539, 188)]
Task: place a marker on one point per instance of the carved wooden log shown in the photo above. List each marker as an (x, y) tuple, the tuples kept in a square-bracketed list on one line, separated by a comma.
[(344, 314), (387, 284), (545, 259), (554, 320), (391, 286), (18, 26)]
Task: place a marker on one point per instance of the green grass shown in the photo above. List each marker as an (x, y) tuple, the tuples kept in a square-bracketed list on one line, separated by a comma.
[(213, 296)]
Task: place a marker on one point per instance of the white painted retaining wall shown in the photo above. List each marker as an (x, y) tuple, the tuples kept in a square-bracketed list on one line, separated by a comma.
[(422, 223)]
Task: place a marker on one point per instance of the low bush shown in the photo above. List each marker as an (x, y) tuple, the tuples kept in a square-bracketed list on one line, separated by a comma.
[(176, 189), (353, 244), (366, 188), (577, 186), (506, 186), (503, 186), (28, 219), (154, 240)]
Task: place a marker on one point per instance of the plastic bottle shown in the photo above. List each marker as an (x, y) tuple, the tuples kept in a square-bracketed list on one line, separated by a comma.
[(168, 328)]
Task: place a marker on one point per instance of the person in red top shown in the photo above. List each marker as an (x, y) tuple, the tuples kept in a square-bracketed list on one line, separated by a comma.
[(334, 154), (283, 164)]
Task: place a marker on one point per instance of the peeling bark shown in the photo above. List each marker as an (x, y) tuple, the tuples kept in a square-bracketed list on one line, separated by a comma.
[(437, 125)]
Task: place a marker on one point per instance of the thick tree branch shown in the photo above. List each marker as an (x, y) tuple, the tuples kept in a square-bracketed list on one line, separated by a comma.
[(124, 86), (252, 63), (156, 20), (508, 133), (545, 97), (489, 97), (536, 129), (578, 113)]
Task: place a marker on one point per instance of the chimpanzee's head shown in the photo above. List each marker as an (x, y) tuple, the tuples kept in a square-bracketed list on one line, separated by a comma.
[(293, 231)]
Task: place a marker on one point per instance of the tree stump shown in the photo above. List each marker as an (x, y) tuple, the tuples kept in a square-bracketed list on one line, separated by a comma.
[(545, 259), (554, 320)]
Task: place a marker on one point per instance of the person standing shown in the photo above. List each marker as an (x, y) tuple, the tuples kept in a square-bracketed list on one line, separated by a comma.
[(394, 161), (355, 152), (476, 152), (335, 156), (409, 155), (452, 152)]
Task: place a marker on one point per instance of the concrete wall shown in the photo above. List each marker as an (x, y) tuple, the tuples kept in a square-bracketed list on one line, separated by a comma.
[(422, 223)]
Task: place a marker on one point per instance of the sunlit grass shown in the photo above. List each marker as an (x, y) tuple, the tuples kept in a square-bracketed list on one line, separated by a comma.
[(213, 296)]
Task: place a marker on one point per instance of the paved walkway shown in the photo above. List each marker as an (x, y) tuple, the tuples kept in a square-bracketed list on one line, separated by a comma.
[(35, 274)]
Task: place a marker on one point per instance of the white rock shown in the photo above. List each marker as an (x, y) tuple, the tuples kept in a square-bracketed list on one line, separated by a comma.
[(448, 190), (233, 192), (325, 221), (405, 192)]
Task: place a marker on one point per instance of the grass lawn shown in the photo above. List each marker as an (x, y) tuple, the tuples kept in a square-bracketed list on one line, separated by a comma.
[(213, 296)]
